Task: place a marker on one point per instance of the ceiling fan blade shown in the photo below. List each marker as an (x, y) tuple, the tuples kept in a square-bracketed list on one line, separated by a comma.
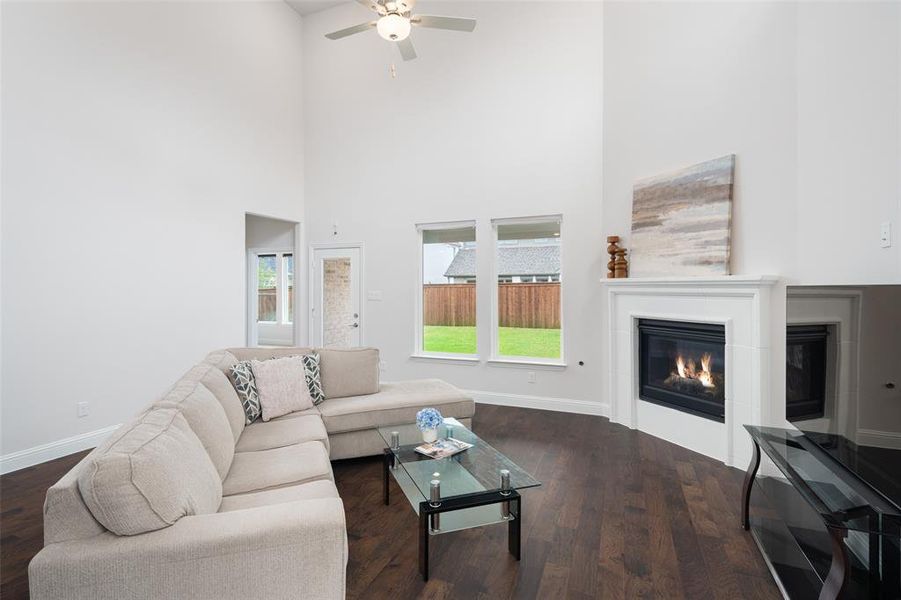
[(342, 33), (452, 23), (373, 5), (407, 52)]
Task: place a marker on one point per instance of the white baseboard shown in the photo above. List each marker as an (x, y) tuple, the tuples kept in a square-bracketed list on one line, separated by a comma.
[(880, 439), (34, 456), (582, 407)]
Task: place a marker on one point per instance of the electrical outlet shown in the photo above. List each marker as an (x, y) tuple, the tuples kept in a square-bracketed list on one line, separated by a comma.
[(885, 235), (531, 377), (382, 365), (374, 296), (83, 410)]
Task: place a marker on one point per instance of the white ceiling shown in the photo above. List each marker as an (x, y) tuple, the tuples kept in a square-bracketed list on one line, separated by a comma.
[(306, 7)]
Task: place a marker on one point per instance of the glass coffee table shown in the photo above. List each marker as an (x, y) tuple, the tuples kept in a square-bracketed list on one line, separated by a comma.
[(476, 487)]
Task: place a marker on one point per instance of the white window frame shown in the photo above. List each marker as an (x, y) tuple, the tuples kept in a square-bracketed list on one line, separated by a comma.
[(281, 284), (496, 356), (419, 331)]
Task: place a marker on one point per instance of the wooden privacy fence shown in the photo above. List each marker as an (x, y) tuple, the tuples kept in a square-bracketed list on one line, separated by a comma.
[(532, 305), (268, 301)]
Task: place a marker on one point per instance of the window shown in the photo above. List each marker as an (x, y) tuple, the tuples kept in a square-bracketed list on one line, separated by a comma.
[(275, 288), (267, 284), (527, 314), (447, 315)]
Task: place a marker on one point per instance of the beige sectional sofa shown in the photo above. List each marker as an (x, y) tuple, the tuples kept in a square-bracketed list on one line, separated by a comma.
[(186, 501)]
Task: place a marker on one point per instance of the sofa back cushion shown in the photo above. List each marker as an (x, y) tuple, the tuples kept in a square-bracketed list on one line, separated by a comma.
[(205, 415), (150, 474), (349, 371), (216, 380)]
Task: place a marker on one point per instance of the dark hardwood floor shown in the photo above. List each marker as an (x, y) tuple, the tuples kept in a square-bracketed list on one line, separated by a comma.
[(620, 514)]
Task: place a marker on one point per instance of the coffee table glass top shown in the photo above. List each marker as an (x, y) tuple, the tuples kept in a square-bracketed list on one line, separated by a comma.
[(477, 469)]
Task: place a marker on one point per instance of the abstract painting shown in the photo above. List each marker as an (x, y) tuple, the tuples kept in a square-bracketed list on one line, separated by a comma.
[(682, 221)]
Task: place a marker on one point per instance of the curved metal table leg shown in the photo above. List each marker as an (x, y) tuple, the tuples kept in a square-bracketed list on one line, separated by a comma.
[(749, 481), (838, 570)]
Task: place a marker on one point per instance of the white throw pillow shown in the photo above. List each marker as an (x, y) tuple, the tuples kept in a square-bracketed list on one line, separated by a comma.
[(282, 386)]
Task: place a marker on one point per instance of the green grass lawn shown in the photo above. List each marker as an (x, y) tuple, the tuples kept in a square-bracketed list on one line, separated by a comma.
[(514, 341)]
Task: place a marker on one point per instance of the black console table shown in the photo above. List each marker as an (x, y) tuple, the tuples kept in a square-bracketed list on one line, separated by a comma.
[(824, 532)]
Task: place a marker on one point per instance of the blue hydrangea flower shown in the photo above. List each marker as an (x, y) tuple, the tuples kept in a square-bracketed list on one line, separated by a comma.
[(428, 418)]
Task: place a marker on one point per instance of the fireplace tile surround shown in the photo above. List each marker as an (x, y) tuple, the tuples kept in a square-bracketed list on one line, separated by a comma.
[(741, 304)]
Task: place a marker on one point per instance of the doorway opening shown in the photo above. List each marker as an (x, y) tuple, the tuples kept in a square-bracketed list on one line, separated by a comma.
[(271, 246), (336, 307)]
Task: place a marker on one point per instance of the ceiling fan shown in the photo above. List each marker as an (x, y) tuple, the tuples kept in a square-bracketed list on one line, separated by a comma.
[(395, 21)]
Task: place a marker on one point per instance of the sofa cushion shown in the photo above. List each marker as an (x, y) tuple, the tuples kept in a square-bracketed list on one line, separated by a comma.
[(280, 433), (150, 474), (349, 372), (282, 386), (205, 415), (314, 490), (278, 467), (397, 403), (217, 382)]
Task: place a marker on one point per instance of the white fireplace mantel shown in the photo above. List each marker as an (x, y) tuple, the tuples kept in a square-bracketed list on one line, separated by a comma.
[(742, 305)]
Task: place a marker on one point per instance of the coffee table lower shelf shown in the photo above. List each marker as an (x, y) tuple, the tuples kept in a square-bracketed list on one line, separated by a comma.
[(456, 513)]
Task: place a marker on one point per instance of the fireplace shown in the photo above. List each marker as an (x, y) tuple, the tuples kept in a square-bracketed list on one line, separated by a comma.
[(805, 371), (682, 366)]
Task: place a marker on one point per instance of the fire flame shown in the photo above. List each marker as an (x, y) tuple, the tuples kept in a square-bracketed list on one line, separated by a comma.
[(688, 369)]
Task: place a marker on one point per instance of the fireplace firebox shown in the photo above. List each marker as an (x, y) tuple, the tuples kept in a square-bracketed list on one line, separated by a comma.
[(805, 371), (682, 366)]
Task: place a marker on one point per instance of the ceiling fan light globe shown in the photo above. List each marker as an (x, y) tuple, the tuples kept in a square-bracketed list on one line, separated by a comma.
[(393, 27)]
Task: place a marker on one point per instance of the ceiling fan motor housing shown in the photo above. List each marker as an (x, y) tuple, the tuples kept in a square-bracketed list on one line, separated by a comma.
[(393, 27)]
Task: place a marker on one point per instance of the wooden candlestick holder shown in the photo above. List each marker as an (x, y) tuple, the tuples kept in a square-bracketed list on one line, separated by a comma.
[(612, 241), (621, 265)]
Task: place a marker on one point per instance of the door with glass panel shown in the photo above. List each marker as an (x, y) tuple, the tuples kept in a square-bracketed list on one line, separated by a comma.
[(336, 317), (272, 279)]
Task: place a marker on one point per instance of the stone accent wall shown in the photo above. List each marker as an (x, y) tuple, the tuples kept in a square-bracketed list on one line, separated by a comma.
[(337, 307)]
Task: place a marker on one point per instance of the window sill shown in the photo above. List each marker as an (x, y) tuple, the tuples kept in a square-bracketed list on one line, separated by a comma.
[(526, 363), (466, 360)]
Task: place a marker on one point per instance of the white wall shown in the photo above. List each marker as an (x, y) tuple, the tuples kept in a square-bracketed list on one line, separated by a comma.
[(805, 94), (506, 122), (135, 137), (502, 122), (269, 234)]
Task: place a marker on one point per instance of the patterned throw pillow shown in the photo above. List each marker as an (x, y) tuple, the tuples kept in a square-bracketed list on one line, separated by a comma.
[(314, 383), (246, 386)]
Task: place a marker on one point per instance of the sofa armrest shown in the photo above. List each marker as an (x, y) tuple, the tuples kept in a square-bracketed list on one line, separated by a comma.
[(291, 550)]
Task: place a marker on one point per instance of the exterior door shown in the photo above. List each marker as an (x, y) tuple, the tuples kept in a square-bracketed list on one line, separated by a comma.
[(336, 304)]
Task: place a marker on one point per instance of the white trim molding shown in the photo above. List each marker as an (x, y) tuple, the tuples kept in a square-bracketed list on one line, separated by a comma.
[(742, 305), (879, 439), (40, 454), (582, 407)]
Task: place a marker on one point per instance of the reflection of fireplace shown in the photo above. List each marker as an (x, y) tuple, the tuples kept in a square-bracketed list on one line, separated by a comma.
[(682, 366), (805, 371)]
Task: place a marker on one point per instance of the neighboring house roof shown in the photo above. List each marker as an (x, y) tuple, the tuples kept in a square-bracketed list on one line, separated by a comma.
[(513, 260)]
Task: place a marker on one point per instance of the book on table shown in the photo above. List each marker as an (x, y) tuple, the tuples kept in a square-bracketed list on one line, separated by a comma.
[(443, 448)]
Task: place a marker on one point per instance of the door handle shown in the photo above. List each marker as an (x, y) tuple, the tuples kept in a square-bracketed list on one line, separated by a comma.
[(355, 325)]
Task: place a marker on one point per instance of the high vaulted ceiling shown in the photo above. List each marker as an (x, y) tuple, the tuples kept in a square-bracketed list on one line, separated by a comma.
[(306, 7)]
